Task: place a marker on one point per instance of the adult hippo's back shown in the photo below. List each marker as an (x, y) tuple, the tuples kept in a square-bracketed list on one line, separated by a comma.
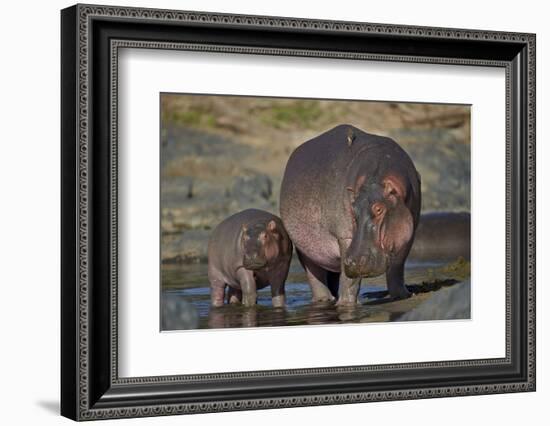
[(350, 202)]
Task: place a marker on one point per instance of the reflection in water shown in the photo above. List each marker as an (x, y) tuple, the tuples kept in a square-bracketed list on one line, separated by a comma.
[(186, 301), (178, 313), (235, 316)]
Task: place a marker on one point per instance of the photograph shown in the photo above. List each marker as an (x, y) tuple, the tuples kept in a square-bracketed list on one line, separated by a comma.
[(306, 212)]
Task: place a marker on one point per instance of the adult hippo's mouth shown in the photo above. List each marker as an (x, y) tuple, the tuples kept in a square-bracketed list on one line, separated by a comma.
[(366, 266)]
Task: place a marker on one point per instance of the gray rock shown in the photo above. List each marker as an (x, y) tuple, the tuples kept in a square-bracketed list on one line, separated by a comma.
[(448, 303), (193, 203), (443, 161), (251, 187), (185, 247)]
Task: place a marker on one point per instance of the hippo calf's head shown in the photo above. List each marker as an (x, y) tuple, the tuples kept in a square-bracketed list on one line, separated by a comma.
[(261, 243), (383, 227)]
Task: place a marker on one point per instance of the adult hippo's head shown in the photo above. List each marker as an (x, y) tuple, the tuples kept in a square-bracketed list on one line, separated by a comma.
[(383, 226), (262, 243)]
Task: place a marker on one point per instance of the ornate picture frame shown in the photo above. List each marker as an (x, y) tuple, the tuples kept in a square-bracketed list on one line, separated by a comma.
[(91, 37)]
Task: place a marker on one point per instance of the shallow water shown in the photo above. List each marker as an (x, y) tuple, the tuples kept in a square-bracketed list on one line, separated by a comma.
[(186, 300)]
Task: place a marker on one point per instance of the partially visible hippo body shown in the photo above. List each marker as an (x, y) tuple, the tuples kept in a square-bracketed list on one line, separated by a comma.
[(442, 236), (350, 202), (248, 251)]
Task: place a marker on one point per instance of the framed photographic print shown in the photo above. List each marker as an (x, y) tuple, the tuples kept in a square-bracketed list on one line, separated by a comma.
[(263, 212)]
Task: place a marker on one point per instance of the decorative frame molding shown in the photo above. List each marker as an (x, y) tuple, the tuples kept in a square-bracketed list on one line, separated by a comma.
[(91, 388)]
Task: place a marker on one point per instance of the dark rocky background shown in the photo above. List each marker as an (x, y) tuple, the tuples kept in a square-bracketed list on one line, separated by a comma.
[(223, 154)]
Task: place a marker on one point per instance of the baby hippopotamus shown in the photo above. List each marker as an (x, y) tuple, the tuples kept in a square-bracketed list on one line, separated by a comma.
[(248, 251), (350, 202)]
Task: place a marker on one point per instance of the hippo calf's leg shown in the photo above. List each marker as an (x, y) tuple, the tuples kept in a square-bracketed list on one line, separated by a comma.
[(217, 293), (234, 295), (395, 280), (248, 286), (249, 318), (278, 291), (316, 277), (217, 286), (278, 301)]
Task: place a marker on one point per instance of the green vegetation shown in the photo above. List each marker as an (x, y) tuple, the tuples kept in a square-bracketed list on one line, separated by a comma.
[(196, 117), (295, 114), (459, 270), (302, 114)]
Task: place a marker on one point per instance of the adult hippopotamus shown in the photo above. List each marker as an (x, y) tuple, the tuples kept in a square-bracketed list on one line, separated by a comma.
[(350, 202), (248, 251)]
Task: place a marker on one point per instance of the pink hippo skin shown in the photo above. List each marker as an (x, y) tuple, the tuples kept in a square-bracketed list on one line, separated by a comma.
[(248, 251), (350, 202)]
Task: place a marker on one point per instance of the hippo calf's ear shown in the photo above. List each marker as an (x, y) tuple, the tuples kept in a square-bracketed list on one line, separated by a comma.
[(244, 235), (271, 225)]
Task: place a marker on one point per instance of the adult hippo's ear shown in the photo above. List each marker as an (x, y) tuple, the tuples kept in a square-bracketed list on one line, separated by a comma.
[(394, 188), (354, 190), (352, 193)]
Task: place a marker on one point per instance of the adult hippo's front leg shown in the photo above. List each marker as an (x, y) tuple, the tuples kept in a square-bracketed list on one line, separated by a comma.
[(348, 290), (395, 280)]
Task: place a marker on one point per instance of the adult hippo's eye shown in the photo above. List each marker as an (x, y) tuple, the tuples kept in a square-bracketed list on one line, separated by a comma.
[(377, 209)]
